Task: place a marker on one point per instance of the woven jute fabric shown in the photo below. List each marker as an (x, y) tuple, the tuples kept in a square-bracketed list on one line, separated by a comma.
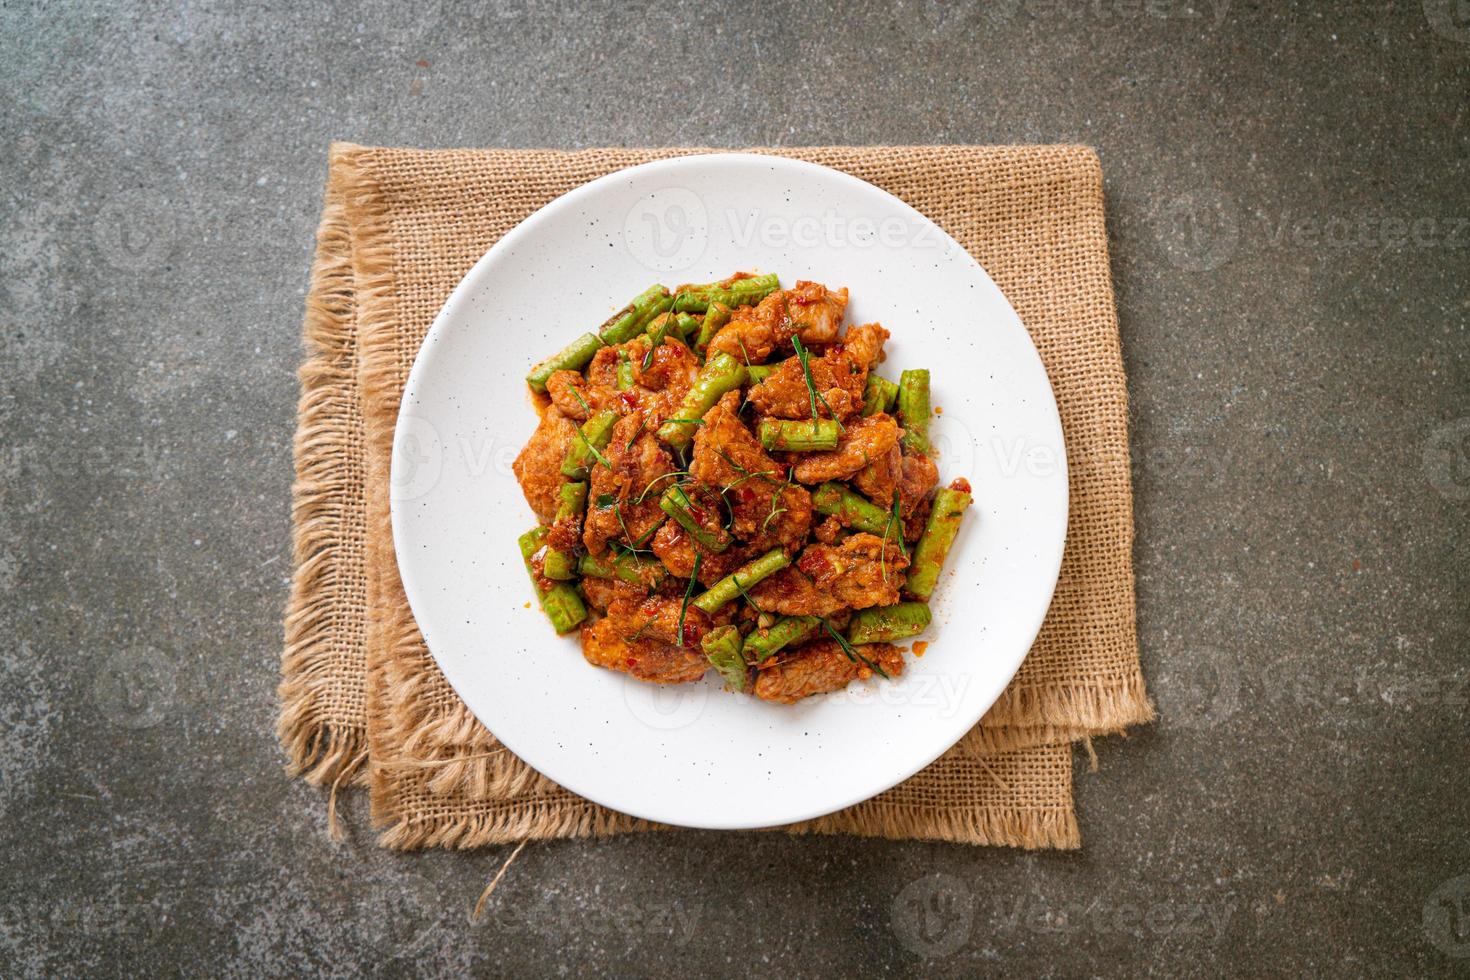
[(364, 702)]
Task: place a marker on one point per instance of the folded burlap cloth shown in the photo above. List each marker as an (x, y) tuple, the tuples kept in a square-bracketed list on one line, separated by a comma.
[(364, 702)]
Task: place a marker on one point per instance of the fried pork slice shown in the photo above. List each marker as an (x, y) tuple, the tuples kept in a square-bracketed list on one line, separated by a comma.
[(753, 331), (607, 643), (822, 666), (676, 548), (913, 476), (657, 618), (672, 368), (768, 511), (614, 513), (603, 592), (657, 392), (863, 440), (572, 396), (838, 380), (918, 478), (863, 344), (538, 466), (858, 573), (814, 312), (880, 478), (599, 592), (791, 592), (808, 310)]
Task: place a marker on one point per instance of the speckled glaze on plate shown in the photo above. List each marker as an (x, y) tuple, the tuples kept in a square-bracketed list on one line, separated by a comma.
[(696, 755)]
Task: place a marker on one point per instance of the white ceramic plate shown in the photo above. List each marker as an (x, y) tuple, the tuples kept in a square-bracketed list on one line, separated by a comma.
[(696, 755)]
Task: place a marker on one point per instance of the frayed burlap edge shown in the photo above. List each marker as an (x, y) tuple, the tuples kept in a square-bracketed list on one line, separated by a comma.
[(321, 750), (1032, 829)]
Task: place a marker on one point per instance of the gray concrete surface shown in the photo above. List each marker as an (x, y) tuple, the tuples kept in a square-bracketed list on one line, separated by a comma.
[(1289, 202)]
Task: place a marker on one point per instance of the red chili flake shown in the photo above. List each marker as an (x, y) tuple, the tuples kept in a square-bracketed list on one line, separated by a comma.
[(422, 63), (960, 485), (836, 349), (813, 563), (629, 399), (745, 494)]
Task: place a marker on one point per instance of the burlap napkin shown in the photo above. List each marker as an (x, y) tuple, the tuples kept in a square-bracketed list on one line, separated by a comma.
[(363, 701)]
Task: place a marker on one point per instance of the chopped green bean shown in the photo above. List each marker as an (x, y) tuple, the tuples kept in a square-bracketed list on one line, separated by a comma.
[(802, 435), (591, 439), (852, 510), (561, 603), (884, 624), (558, 564), (676, 503), (628, 567), (934, 544), (913, 409), (742, 578), (631, 320), (625, 371), (732, 293), (715, 317), (720, 374), (721, 647), (573, 357), (879, 395), (785, 631)]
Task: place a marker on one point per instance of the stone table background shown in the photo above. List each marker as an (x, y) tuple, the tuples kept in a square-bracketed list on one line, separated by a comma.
[(1289, 204)]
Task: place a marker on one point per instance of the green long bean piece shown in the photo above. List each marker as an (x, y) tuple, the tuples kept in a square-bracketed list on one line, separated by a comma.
[(676, 503), (595, 434), (878, 395), (913, 409), (884, 624), (836, 500), (934, 544), (557, 564), (785, 631), (760, 372), (803, 435), (561, 603), (715, 317), (732, 293), (632, 319), (572, 357), (721, 647), (627, 567), (720, 374), (743, 577)]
